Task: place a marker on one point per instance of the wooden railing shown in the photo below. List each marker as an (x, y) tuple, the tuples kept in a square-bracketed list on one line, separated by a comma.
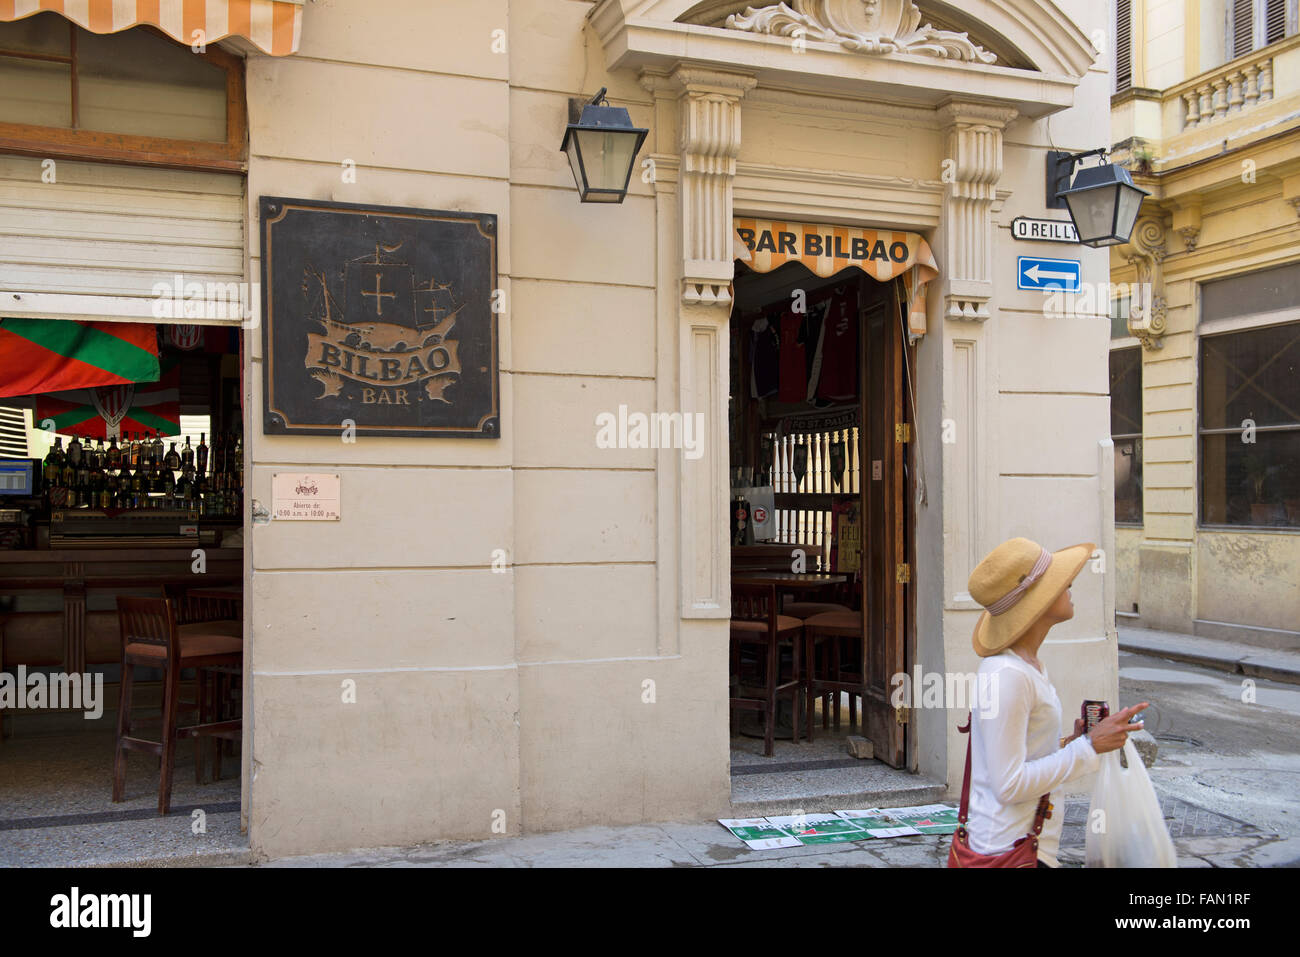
[(803, 508)]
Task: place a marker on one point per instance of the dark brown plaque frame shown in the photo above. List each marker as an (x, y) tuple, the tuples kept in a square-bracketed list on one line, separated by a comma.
[(380, 317)]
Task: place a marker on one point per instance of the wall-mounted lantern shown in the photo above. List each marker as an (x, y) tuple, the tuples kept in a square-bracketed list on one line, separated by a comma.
[(602, 148), (1103, 202)]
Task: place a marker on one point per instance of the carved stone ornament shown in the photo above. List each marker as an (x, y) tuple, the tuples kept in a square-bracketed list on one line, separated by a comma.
[(1147, 316), (863, 26), (1190, 235)]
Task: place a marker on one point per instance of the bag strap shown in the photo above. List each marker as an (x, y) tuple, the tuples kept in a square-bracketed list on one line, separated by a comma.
[(1043, 811)]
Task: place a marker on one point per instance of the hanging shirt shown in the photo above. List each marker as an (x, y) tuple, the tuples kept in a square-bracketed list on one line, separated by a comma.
[(765, 352), (814, 329), (1016, 757), (794, 358), (839, 366)]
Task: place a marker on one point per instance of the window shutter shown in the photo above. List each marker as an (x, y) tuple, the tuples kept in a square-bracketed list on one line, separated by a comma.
[(13, 433), (1242, 21), (1123, 45), (1274, 20)]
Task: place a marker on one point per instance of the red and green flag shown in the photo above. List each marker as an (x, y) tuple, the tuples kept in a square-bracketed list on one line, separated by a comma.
[(55, 355), (107, 411)]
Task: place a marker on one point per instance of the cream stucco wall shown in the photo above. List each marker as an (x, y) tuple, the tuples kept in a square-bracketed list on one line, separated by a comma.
[(570, 689), (1226, 194)]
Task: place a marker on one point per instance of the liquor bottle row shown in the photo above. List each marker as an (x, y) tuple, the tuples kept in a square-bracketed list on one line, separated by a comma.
[(139, 474), (145, 449)]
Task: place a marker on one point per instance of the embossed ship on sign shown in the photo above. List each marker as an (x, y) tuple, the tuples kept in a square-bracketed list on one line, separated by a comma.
[(378, 320)]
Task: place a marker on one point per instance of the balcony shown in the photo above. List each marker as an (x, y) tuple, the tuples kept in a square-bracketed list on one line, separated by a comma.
[(1233, 88)]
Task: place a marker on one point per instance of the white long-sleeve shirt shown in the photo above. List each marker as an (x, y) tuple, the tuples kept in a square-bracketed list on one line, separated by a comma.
[(1016, 757)]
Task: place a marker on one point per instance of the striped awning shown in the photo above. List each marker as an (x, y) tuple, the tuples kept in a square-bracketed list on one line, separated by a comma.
[(273, 26), (881, 253)]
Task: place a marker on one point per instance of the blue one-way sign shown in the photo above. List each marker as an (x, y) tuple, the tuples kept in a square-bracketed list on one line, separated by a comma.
[(1035, 273)]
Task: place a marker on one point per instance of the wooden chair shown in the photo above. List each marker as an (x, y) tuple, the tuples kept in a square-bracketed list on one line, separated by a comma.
[(837, 632), (152, 638), (215, 686), (755, 622)]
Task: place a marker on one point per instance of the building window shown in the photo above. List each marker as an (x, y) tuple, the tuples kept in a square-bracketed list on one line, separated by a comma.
[(135, 96), (1123, 45), (1126, 433), (1250, 427), (1120, 308), (1253, 24)]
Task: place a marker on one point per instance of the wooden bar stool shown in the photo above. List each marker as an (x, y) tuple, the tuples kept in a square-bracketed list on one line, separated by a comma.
[(152, 638), (835, 630), (755, 622)]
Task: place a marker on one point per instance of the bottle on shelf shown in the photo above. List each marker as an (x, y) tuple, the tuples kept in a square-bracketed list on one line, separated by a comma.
[(113, 456), (133, 447), (156, 451), (97, 461), (53, 470), (172, 460), (201, 455), (187, 455), (74, 452)]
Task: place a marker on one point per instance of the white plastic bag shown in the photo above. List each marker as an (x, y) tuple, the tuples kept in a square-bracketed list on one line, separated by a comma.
[(1125, 825)]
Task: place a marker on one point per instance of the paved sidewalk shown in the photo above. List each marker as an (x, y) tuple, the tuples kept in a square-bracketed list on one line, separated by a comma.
[(1202, 838), (1229, 656)]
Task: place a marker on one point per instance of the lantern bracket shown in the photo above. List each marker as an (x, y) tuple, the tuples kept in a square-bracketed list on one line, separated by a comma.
[(1060, 167)]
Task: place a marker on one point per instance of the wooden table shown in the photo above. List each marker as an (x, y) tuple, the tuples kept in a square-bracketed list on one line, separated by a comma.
[(790, 581), (221, 594)]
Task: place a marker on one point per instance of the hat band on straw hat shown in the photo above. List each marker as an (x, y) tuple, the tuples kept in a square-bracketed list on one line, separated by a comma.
[(1008, 601)]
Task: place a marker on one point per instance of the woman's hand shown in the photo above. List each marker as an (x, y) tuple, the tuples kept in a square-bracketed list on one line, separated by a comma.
[(1111, 733)]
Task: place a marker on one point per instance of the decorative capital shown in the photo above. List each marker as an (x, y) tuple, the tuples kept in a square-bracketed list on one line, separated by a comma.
[(1190, 235), (876, 27)]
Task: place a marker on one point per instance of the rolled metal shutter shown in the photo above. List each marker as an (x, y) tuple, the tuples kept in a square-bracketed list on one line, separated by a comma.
[(94, 240)]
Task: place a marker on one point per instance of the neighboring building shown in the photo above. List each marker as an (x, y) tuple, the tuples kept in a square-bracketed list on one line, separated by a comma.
[(1206, 376), (495, 703)]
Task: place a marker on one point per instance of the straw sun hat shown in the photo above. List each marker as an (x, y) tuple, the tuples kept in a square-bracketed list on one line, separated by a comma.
[(1016, 583)]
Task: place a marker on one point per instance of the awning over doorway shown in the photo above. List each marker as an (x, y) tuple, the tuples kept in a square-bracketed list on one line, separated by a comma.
[(273, 26), (880, 253)]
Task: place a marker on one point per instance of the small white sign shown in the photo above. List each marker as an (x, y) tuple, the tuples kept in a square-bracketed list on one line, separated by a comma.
[(1044, 230), (305, 497)]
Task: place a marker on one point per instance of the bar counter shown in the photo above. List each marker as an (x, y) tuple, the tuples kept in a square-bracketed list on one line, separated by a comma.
[(73, 638)]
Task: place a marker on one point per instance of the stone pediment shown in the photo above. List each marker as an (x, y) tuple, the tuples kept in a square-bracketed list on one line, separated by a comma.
[(861, 26), (1026, 54)]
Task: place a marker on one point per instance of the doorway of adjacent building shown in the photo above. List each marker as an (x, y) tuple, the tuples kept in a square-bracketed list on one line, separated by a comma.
[(818, 428)]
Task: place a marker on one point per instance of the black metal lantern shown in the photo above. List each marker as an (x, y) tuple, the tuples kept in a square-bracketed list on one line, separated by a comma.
[(1103, 202), (602, 148)]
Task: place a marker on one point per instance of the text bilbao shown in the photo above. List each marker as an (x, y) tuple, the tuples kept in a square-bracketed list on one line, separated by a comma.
[(831, 245)]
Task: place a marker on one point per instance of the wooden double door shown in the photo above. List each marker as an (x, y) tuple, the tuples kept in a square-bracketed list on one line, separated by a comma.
[(886, 514)]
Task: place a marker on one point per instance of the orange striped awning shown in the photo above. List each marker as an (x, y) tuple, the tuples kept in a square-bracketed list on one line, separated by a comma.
[(273, 26), (880, 253)]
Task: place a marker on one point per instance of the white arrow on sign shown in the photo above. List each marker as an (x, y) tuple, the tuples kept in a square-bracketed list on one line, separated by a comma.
[(1033, 272)]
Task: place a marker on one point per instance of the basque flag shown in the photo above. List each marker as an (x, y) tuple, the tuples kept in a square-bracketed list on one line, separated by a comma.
[(107, 411), (54, 355)]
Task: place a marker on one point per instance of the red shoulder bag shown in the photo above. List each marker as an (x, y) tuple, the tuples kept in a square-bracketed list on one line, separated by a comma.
[(1024, 853)]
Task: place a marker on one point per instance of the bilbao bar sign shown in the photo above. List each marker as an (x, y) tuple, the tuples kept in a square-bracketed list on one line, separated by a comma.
[(378, 319)]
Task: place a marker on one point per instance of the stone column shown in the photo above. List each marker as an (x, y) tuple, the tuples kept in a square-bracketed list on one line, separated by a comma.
[(971, 169), (708, 108)]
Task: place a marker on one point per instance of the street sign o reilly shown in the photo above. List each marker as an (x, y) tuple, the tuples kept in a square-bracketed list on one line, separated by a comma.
[(1044, 230)]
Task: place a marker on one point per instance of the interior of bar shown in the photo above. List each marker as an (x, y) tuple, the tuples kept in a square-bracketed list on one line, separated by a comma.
[(121, 577), (818, 524)]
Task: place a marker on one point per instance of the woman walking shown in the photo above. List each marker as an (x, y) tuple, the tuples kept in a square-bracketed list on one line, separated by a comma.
[(1016, 756)]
